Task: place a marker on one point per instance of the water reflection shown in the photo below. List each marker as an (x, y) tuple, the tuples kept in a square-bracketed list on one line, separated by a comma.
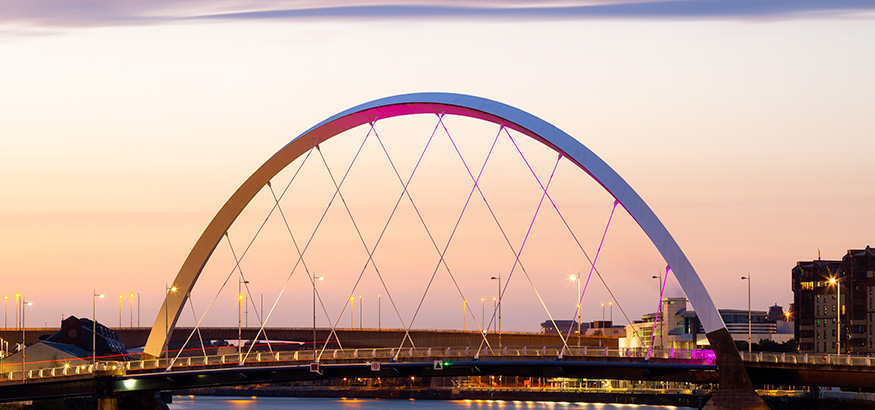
[(275, 403)]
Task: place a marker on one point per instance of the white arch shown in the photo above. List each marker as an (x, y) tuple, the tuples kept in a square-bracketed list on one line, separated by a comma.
[(455, 104)]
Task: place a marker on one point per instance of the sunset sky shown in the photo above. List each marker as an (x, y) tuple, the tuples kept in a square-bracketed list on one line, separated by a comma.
[(747, 126)]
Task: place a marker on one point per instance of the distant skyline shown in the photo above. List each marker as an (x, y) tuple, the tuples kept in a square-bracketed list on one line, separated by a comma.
[(746, 126)]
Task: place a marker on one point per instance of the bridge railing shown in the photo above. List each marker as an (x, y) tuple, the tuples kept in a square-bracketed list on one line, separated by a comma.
[(808, 358), (81, 368)]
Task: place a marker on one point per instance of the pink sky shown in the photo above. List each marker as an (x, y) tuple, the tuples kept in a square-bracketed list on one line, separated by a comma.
[(748, 133)]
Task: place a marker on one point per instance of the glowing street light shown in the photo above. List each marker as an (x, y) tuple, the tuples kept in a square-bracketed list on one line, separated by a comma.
[(464, 315), (240, 319), (132, 310), (498, 278), (23, 339), (94, 327), (315, 278), (120, 297), (483, 313), (576, 278), (835, 281)]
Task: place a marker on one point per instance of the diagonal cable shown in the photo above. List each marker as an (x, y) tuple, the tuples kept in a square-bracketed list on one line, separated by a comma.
[(492, 212), (442, 253), (361, 238), (518, 262), (237, 264), (576, 240)]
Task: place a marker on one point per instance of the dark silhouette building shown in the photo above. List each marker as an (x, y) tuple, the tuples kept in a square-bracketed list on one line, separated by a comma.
[(819, 328)]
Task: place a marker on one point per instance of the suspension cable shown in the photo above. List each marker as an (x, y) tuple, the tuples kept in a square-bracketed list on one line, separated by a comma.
[(491, 211), (442, 253), (588, 277), (518, 262), (579, 245), (237, 261), (361, 238), (658, 309)]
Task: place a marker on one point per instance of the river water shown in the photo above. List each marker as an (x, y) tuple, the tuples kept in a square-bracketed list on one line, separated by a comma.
[(271, 403)]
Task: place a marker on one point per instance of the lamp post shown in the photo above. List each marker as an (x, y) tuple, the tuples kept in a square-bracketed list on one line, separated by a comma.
[(168, 290), (138, 309), (240, 284), (464, 315), (5, 315), (379, 312), (749, 345), (120, 297), (498, 278), (835, 281), (576, 278), (658, 318), (94, 327), (315, 278), (17, 297), (351, 312), (361, 307), (23, 339), (611, 309), (132, 310), (483, 313)]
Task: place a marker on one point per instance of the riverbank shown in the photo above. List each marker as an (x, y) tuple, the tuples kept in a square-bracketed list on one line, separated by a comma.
[(655, 398)]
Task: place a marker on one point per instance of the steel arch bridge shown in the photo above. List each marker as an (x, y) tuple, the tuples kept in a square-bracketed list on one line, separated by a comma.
[(733, 375)]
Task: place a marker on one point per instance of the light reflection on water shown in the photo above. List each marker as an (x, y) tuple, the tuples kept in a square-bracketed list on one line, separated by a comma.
[(274, 403)]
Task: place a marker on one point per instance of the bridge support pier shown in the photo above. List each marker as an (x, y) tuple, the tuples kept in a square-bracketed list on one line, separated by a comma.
[(146, 400), (736, 391), (107, 403)]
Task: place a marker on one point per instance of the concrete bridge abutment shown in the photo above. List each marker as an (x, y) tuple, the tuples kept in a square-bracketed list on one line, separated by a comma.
[(736, 391)]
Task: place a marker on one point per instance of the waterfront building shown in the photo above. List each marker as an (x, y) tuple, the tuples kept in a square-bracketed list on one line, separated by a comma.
[(827, 322), (679, 328)]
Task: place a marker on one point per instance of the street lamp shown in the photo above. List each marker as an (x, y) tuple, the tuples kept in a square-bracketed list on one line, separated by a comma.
[(132, 310), (611, 309), (464, 315), (351, 312), (5, 315), (120, 297), (835, 281), (361, 307), (483, 313), (23, 339), (658, 309), (168, 290), (94, 327), (315, 278), (576, 278), (239, 327), (498, 278), (379, 311), (749, 345), (240, 284), (17, 297)]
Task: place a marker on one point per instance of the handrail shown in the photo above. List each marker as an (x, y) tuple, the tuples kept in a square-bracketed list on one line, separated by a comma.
[(115, 367)]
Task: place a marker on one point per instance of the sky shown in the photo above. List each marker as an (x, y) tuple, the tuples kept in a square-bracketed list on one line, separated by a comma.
[(745, 125)]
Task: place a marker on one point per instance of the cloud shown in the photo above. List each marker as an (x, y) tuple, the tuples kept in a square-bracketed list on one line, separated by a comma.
[(91, 13)]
